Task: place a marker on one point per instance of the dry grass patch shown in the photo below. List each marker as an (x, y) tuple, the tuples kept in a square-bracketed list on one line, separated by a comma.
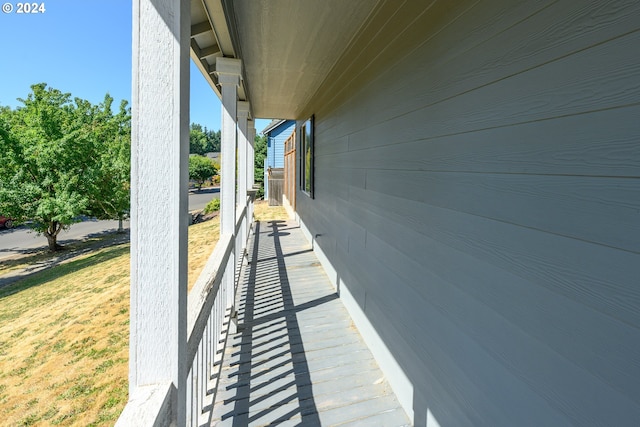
[(264, 212), (202, 239), (64, 350), (64, 337)]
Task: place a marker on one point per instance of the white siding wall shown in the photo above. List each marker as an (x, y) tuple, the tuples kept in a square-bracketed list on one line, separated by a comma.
[(478, 192)]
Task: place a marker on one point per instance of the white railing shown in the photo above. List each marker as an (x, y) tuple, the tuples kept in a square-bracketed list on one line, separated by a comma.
[(210, 318)]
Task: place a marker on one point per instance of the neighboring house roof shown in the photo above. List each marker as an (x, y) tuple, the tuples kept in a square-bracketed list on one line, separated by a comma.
[(271, 126)]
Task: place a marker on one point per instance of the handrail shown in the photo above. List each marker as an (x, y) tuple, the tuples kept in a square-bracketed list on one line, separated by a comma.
[(208, 283), (208, 304), (240, 215), (204, 292), (150, 406)]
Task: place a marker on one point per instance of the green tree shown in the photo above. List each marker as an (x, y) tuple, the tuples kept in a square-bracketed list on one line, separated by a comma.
[(260, 147), (51, 156), (111, 185), (202, 140), (200, 169), (213, 141), (197, 139)]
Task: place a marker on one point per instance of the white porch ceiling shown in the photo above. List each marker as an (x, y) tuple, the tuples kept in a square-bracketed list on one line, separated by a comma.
[(288, 47)]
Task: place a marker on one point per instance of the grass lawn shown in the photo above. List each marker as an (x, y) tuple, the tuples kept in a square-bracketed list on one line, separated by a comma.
[(64, 349), (263, 212), (64, 334), (42, 256)]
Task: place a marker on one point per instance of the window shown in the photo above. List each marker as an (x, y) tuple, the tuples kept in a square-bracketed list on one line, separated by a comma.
[(306, 160)]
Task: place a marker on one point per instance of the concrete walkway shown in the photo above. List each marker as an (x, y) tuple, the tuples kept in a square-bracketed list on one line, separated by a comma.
[(297, 358)]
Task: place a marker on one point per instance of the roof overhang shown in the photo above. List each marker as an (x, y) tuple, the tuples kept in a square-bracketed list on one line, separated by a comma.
[(288, 47)]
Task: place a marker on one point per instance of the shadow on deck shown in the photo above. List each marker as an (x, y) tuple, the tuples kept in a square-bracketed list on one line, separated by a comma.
[(297, 359)]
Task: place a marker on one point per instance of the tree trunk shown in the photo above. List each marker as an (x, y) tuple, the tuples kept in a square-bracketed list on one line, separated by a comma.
[(120, 228), (52, 236), (53, 242)]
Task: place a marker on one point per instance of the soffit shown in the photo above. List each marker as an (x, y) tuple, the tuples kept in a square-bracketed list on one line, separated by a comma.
[(288, 47)]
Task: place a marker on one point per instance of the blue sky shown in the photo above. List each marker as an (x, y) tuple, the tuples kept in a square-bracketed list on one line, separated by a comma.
[(82, 47)]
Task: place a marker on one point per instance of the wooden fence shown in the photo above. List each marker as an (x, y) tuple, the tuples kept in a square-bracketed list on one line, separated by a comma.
[(289, 194)]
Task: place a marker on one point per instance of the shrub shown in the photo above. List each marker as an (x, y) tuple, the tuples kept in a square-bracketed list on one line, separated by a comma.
[(212, 206)]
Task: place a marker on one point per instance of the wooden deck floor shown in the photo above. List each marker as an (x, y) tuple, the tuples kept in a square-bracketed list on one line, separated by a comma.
[(297, 359)]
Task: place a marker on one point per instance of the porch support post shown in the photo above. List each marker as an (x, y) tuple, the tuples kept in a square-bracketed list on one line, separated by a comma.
[(229, 72), (251, 134), (243, 141), (252, 155), (159, 198), (243, 116)]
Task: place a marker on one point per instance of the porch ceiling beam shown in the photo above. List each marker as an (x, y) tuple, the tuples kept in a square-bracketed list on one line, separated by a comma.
[(199, 55), (210, 51), (201, 28)]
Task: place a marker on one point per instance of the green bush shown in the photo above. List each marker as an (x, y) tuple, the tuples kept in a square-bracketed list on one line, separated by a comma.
[(212, 206)]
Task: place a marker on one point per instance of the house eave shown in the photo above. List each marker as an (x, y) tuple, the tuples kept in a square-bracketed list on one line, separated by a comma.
[(288, 49)]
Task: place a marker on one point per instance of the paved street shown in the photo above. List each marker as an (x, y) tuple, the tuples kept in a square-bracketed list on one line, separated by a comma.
[(199, 199), (21, 239)]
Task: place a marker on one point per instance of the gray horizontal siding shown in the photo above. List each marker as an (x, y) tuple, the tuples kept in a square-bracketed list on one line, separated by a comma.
[(478, 191), (583, 144)]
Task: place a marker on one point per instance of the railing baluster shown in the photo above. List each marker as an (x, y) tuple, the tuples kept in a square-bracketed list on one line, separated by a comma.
[(194, 390), (208, 354), (220, 323), (202, 386), (210, 302), (189, 396)]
